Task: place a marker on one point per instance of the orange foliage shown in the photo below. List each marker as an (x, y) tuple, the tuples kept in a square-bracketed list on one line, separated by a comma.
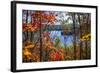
[(86, 37), (39, 17), (30, 27), (28, 54)]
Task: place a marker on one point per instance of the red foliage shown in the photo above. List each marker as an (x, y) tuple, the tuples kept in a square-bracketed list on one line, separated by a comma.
[(38, 18), (56, 55)]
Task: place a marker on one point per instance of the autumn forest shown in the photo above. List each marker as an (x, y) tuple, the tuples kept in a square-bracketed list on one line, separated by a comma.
[(55, 36)]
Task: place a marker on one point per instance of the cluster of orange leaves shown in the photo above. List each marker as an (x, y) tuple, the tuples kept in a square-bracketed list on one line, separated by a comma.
[(50, 18), (44, 16), (27, 54), (86, 37), (30, 27)]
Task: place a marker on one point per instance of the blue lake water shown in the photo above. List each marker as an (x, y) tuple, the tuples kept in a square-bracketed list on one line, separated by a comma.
[(65, 39)]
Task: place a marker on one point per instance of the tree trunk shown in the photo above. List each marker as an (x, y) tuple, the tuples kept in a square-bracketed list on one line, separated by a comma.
[(74, 34), (80, 36), (27, 24)]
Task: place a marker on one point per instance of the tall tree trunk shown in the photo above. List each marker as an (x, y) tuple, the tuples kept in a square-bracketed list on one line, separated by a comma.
[(74, 35), (27, 24), (32, 34), (80, 28), (87, 32), (40, 41)]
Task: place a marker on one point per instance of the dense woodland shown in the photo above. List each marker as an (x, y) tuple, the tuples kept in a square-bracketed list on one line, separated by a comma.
[(55, 36)]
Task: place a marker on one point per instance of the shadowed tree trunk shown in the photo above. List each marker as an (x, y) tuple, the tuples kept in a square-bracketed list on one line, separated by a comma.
[(87, 32), (27, 24), (40, 41), (32, 34), (74, 34), (80, 28)]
